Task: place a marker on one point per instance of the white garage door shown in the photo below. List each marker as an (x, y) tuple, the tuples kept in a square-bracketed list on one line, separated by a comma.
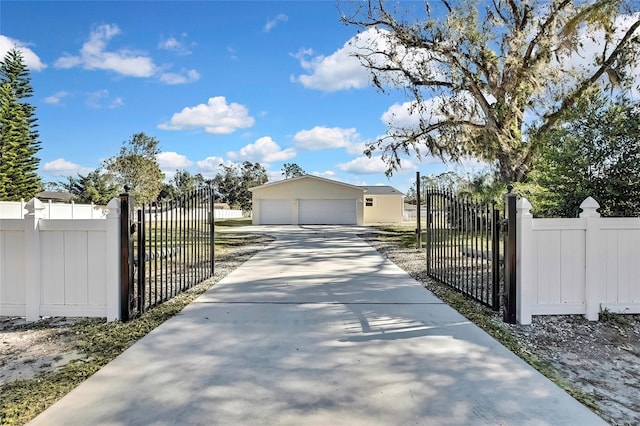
[(275, 212), (327, 212)]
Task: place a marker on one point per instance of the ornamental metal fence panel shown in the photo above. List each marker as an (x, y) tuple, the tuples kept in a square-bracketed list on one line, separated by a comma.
[(463, 245), (470, 246), (169, 248)]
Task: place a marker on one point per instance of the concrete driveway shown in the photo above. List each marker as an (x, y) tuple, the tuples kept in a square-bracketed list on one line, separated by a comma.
[(317, 329)]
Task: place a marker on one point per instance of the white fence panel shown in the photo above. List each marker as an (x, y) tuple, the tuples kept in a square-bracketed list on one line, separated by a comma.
[(577, 266), (60, 267), (12, 209), (196, 213), (12, 273), (621, 264), (16, 210), (227, 214)]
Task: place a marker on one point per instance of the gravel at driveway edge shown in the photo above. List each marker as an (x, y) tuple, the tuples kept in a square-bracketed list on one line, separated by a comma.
[(600, 360)]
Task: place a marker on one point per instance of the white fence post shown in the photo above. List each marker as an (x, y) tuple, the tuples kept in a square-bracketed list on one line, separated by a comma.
[(35, 212), (112, 259), (524, 261), (594, 275)]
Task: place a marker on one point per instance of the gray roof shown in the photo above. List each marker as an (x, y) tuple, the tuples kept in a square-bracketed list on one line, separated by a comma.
[(279, 182), (381, 190), (54, 196)]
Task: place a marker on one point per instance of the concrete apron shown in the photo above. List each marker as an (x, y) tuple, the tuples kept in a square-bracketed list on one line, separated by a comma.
[(317, 329)]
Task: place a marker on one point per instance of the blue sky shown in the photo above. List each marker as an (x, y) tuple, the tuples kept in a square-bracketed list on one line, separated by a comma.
[(214, 81)]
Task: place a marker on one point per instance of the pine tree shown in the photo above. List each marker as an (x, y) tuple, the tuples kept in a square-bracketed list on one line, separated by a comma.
[(19, 142)]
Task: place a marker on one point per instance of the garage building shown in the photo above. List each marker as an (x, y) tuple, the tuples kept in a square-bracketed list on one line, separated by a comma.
[(312, 200)]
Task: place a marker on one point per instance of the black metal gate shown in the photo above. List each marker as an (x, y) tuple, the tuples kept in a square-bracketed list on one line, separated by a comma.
[(466, 248), (169, 248)]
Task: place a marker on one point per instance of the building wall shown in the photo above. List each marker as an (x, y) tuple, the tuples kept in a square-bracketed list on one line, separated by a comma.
[(306, 188), (386, 208)]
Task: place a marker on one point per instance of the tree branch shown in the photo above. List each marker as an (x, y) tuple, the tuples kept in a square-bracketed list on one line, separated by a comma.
[(552, 118)]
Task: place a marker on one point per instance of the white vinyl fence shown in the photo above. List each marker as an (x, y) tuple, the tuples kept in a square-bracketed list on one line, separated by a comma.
[(17, 210), (227, 214), (60, 267), (63, 259), (178, 212), (576, 266)]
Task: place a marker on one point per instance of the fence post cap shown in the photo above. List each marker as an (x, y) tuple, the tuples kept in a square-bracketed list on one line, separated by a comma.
[(589, 208), (523, 208), (113, 207), (34, 205), (524, 204)]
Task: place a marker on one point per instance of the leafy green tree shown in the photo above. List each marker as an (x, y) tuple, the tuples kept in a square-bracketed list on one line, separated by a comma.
[(484, 187), (594, 153), (137, 167), (292, 170), (183, 183), (486, 79), (19, 142), (252, 175), (446, 180), (96, 187), (233, 183), (228, 184)]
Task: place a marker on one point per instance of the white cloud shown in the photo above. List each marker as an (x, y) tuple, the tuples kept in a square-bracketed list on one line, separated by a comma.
[(591, 46), (356, 148), (409, 114), (117, 102), (399, 115), (172, 161), (62, 167), (210, 163), (271, 23), (32, 60), (176, 46), (232, 53), (93, 55), (329, 174), (467, 166), (364, 165), (373, 165), (264, 150), (342, 70), (338, 71), (210, 166), (274, 175), (216, 117), (101, 99), (180, 78), (325, 137), (56, 97)]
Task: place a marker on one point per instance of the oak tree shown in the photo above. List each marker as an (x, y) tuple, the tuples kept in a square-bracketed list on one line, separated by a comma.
[(487, 79)]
